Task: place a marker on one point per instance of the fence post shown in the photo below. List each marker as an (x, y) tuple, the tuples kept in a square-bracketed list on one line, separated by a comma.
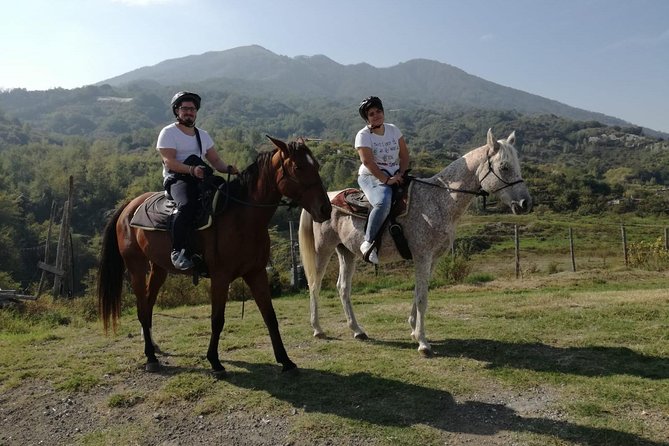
[(624, 235), (517, 243), (571, 250), (666, 239)]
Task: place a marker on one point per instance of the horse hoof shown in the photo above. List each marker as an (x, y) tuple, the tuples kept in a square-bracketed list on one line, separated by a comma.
[(319, 335), (219, 374), (152, 367), (290, 370), (426, 352), (361, 336)]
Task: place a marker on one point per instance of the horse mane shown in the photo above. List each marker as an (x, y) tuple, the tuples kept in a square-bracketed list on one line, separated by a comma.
[(249, 178), (252, 177)]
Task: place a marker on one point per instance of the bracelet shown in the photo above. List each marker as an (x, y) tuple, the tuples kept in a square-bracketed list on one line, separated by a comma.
[(191, 169), (387, 179)]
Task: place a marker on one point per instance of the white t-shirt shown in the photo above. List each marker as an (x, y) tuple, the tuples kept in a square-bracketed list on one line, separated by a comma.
[(171, 137), (385, 148)]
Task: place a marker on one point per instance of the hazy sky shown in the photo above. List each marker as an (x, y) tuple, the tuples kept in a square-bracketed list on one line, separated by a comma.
[(608, 56)]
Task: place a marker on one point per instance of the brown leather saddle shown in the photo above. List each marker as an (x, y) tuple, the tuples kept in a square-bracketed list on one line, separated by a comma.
[(354, 202)]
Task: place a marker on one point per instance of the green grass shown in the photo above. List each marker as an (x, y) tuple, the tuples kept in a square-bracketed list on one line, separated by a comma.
[(573, 358)]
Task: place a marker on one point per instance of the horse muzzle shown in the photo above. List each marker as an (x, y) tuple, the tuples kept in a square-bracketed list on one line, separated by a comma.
[(323, 213), (522, 206)]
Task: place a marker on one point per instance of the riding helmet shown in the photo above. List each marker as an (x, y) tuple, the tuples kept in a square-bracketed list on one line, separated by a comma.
[(182, 96), (368, 103)]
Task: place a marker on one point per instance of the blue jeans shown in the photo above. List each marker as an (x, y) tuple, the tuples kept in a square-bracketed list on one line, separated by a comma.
[(380, 197)]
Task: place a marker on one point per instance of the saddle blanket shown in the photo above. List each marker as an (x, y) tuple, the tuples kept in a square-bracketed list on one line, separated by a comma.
[(154, 213)]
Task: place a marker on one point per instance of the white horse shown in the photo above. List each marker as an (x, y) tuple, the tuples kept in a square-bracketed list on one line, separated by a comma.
[(435, 206)]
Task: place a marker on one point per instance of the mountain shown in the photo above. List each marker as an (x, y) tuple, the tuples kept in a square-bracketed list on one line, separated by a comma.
[(419, 81)]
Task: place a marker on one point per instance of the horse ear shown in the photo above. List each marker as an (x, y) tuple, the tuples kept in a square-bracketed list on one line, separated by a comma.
[(512, 138), (278, 143), (492, 142)]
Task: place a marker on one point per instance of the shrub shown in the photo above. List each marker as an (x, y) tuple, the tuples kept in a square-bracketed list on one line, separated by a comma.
[(648, 255), (452, 268)]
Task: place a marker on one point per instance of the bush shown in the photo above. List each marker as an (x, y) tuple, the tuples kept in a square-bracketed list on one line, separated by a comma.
[(650, 256), (452, 268)]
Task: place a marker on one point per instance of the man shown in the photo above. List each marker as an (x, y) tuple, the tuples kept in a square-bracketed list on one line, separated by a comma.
[(181, 146)]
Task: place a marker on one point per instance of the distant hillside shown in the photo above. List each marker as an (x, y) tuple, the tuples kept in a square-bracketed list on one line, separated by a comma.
[(255, 69)]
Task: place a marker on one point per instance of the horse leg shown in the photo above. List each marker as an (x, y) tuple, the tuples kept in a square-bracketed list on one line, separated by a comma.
[(423, 271), (157, 277), (219, 297), (259, 285), (321, 264), (412, 318), (346, 270), (138, 281)]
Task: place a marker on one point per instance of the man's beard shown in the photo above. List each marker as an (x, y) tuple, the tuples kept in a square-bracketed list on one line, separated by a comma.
[(188, 122)]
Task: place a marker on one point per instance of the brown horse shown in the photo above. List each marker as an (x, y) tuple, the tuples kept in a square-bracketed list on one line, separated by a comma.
[(235, 245)]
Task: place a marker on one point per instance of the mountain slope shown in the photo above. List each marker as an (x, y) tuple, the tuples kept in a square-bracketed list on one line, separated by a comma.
[(415, 81)]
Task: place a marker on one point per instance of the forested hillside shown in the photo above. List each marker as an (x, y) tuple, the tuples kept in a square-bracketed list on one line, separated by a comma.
[(104, 137)]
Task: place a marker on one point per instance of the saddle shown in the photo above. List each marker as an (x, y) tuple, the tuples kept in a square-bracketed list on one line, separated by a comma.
[(354, 202), (155, 212)]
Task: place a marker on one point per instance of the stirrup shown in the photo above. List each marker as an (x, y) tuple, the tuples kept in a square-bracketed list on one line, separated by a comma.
[(180, 261), (369, 252)]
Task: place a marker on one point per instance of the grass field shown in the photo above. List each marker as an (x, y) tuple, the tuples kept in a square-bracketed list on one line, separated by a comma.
[(552, 359)]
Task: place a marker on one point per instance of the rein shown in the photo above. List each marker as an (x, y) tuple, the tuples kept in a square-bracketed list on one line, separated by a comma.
[(480, 192), (282, 201)]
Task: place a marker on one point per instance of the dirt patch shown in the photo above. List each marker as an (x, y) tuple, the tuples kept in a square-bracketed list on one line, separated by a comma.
[(35, 414)]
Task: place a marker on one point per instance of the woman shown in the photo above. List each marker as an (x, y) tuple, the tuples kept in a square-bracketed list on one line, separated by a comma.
[(385, 157)]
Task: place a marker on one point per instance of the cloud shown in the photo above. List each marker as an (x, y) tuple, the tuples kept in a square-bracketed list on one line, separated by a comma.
[(487, 37)]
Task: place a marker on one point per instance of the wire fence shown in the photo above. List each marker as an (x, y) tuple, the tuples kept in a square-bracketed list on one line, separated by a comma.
[(565, 246)]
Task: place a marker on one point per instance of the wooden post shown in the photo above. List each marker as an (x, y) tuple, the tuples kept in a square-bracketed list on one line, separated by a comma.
[(58, 279), (47, 249), (624, 236), (63, 250), (571, 250), (666, 239), (517, 243), (293, 258)]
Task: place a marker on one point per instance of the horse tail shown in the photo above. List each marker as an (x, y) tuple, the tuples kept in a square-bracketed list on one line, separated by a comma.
[(110, 274), (307, 246)]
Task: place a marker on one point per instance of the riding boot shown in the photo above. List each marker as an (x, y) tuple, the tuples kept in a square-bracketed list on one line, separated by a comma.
[(179, 229)]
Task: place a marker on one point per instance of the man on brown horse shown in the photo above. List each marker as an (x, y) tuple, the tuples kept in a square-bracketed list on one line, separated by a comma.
[(181, 146)]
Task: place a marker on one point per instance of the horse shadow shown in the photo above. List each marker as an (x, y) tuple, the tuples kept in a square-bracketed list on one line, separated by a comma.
[(388, 402), (584, 361)]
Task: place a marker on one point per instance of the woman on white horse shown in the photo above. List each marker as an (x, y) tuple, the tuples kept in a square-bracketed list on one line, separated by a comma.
[(385, 158)]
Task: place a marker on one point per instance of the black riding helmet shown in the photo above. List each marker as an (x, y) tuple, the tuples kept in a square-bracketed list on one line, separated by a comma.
[(368, 103), (182, 96)]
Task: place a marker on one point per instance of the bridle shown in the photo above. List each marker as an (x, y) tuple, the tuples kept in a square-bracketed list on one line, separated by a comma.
[(284, 177), (480, 192), (506, 183)]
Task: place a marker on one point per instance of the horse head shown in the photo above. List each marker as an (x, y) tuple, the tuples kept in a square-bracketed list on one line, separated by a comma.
[(297, 178), (500, 174)]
